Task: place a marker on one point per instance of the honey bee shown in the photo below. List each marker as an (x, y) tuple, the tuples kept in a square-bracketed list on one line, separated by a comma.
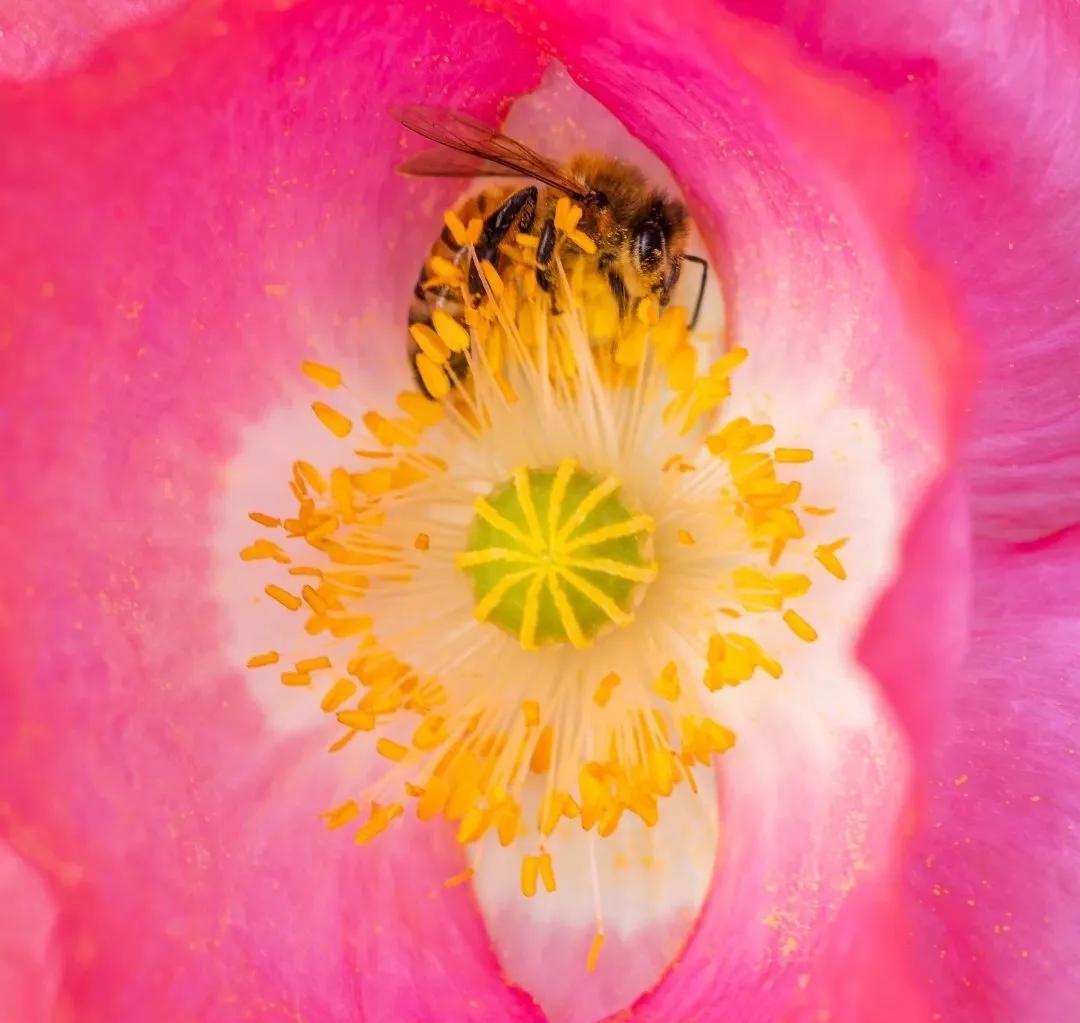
[(639, 232)]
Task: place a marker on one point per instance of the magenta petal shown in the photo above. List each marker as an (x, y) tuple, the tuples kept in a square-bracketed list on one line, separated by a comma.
[(995, 872), (182, 223)]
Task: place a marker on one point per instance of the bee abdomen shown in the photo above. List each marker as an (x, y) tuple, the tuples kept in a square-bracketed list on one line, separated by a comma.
[(427, 297)]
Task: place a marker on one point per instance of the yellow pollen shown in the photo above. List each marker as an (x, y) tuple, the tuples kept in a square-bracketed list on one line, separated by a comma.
[(342, 690), (605, 689), (270, 521), (342, 815), (594, 951), (338, 424), (793, 454), (826, 554), (262, 660), (800, 626), (325, 376), (422, 542), (283, 597)]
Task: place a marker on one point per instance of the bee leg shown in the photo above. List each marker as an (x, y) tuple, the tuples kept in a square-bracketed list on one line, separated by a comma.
[(545, 249), (618, 289), (519, 208), (701, 290)]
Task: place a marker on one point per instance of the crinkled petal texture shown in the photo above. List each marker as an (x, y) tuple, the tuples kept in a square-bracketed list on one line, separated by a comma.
[(210, 201)]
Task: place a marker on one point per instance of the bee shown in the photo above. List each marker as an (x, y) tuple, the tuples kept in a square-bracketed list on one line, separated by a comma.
[(639, 232)]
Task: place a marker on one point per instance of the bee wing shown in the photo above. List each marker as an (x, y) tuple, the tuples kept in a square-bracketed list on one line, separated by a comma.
[(445, 163), (474, 138)]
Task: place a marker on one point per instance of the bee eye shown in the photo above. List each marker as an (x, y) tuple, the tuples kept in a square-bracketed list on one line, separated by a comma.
[(647, 248)]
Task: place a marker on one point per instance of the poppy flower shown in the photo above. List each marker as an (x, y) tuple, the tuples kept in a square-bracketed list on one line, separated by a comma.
[(667, 674)]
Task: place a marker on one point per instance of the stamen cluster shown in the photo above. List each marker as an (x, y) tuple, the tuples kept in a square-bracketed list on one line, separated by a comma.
[(545, 572)]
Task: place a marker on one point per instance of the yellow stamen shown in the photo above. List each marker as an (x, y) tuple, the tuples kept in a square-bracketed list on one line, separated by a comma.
[(325, 376), (338, 424), (594, 952), (451, 333), (793, 454), (283, 597), (800, 626), (262, 660), (826, 554), (342, 690), (509, 512)]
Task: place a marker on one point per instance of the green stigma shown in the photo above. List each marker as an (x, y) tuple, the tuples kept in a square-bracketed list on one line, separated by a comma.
[(554, 555)]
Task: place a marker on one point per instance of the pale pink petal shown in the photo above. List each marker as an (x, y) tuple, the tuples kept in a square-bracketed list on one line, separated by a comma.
[(29, 963), (992, 91), (43, 38), (995, 871), (182, 224)]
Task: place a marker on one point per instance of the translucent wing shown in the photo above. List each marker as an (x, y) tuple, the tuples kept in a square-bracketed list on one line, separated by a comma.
[(478, 140), (445, 163)]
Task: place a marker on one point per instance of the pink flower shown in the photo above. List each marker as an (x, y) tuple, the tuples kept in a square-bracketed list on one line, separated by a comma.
[(889, 195)]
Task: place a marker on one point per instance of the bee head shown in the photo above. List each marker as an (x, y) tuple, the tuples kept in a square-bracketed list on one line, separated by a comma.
[(656, 246)]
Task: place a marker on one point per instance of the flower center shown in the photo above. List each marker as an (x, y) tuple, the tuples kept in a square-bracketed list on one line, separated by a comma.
[(501, 648), (555, 555)]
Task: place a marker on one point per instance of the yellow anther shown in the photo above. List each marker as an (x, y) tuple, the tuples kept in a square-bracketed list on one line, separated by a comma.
[(358, 720), (325, 376), (264, 549), (456, 228), (451, 333), (341, 815), (826, 555), (593, 957), (436, 382), (378, 822), (390, 749), (339, 425), (491, 275), (666, 684), (342, 690), (605, 689), (800, 626), (530, 871), (793, 454), (262, 660), (283, 597), (429, 343)]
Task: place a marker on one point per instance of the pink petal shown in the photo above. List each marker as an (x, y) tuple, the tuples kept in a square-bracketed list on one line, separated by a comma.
[(994, 871), (28, 969), (182, 224), (38, 39), (995, 133)]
